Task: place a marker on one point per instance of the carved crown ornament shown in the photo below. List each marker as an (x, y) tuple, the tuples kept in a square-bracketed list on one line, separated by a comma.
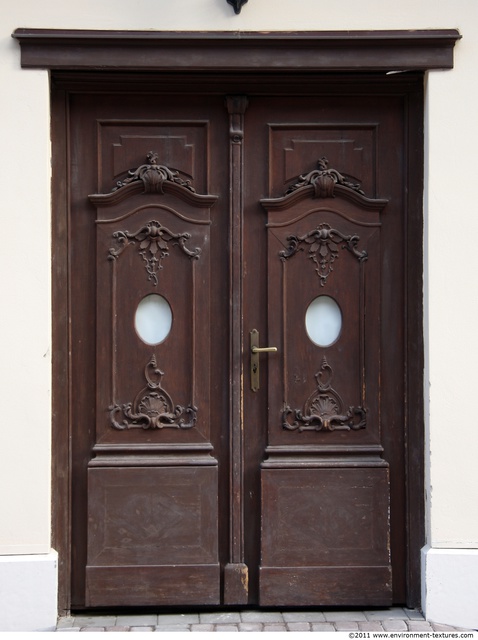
[(153, 407), (324, 409), (324, 180), (152, 178), (153, 175)]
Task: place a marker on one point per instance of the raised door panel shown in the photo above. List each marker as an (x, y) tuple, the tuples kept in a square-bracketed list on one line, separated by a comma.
[(183, 144), (152, 536), (324, 248), (322, 536), (295, 149), (153, 389)]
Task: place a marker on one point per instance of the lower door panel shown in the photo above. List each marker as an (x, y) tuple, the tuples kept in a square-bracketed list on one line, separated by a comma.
[(152, 536), (324, 531)]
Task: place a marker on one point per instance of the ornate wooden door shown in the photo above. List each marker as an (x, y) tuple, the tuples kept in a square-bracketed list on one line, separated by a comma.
[(325, 484), (204, 228)]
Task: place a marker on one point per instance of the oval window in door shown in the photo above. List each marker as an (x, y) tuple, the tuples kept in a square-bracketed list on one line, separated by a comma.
[(323, 321), (153, 319)]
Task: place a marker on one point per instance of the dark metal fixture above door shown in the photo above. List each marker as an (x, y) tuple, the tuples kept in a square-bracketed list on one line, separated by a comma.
[(237, 4)]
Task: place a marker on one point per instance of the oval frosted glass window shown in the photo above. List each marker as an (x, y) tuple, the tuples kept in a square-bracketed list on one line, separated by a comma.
[(323, 321), (153, 319)]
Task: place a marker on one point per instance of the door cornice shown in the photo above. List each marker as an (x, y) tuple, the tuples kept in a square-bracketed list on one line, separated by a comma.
[(309, 51)]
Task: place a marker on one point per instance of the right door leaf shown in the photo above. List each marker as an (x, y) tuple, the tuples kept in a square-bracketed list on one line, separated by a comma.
[(324, 400)]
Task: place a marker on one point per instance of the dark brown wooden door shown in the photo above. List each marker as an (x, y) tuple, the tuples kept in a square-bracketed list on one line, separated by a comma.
[(196, 219)]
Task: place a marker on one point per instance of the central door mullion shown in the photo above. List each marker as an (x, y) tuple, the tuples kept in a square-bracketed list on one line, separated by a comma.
[(236, 571)]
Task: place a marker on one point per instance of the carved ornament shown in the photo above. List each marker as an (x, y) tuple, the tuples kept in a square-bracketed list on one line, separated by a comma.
[(153, 175), (324, 180), (153, 241), (153, 407), (323, 248), (323, 410)]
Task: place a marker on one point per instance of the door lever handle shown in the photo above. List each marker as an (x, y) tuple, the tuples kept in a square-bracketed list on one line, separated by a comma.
[(255, 351), (263, 349)]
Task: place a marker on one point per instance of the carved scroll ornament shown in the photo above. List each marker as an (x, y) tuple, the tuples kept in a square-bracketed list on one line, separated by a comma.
[(153, 175), (324, 180), (153, 407), (323, 410), (153, 241), (324, 245)]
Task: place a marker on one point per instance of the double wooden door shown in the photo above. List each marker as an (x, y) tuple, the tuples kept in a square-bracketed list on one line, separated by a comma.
[(203, 226)]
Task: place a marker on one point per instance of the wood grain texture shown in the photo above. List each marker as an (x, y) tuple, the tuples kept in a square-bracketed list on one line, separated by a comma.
[(172, 51), (326, 586), (152, 585)]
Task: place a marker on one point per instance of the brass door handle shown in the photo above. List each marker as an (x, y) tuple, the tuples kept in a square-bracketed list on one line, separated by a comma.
[(255, 351), (263, 349)]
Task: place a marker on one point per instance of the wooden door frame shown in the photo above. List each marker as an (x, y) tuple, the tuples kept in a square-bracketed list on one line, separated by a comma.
[(225, 57)]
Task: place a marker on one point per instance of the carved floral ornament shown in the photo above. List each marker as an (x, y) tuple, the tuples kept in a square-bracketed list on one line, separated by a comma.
[(324, 409), (153, 407), (153, 246), (323, 243)]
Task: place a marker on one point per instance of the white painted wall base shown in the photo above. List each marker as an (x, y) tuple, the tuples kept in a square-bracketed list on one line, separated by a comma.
[(450, 586), (28, 592)]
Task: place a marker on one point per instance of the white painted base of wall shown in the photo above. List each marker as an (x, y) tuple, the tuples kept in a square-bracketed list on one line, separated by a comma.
[(28, 592), (450, 586), (29, 589)]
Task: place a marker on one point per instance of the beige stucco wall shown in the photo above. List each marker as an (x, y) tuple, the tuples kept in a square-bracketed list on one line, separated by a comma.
[(25, 301), (451, 213), (452, 288)]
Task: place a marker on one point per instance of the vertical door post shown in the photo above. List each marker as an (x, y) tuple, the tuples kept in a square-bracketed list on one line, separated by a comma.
[(236, 571)]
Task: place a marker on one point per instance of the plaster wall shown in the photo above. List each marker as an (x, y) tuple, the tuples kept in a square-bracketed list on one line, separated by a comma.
[(451, 276)]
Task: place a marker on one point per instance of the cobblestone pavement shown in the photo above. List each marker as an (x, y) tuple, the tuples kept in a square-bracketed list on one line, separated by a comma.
[(394, 619)]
